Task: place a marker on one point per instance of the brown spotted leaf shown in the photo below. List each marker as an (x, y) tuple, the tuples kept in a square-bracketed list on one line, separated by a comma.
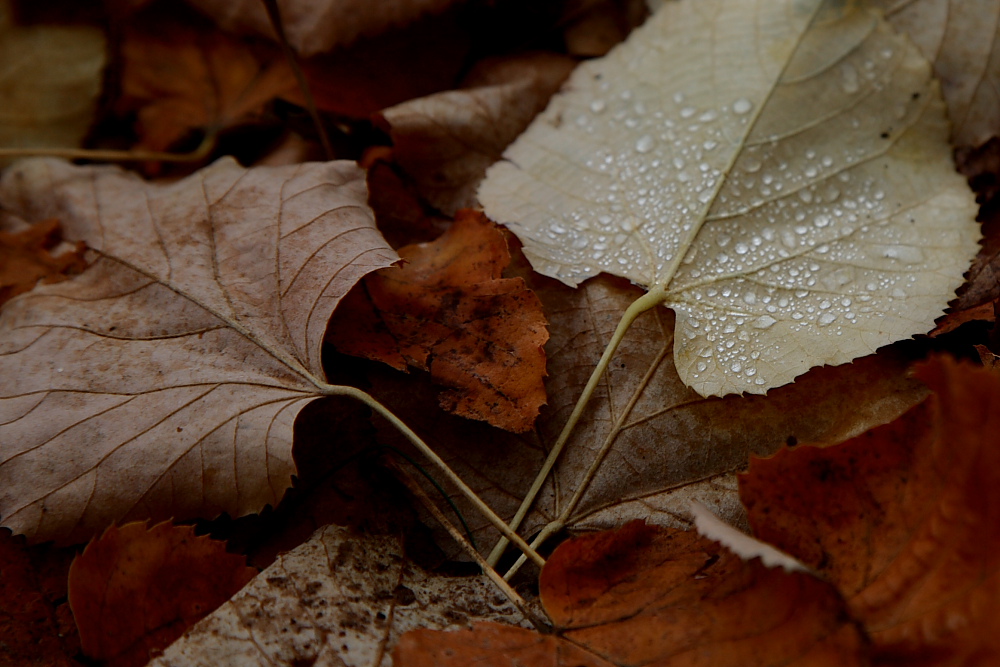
[(904, 520), (448, 310), (341, 598), (136, 589), (165, 380)]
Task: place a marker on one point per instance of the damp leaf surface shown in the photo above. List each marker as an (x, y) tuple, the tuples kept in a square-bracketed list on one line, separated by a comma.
[(779, 173)]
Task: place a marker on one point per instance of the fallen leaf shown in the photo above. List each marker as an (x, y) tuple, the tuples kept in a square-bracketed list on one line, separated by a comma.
[(165, 380), (796, 208), (50, 79), (959, 38), (315, 27), (449, 311), (659, 444), (25, 259), (32, 634), (446, 141), (136, 589), (180, 74), (600, 25), (340, 598), (904, 520), (643, 595)]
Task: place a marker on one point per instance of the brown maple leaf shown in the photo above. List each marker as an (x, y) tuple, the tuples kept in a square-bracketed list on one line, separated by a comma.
[(904, 520), (449, 311), (136, 589)]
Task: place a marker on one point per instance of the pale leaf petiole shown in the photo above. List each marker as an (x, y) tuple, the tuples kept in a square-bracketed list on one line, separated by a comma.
[(647, 301), (406, 431)]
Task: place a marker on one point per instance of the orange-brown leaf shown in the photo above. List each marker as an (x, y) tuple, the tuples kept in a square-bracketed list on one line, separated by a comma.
[(904, 520), (449, 311), (136, 589), (25, 259), (184, 75), (645, 595)]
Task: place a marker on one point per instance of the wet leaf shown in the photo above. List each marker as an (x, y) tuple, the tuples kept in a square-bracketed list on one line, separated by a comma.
[(25, 258), (340, 598), (795, 208), (449, 311), (136, 589), (50, 77), (904, 520), (650, 596), (165, 380)]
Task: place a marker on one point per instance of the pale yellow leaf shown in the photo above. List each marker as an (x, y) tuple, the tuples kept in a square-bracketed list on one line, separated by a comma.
[(778, 173), (339, 599), (50, 78), (165, 380)]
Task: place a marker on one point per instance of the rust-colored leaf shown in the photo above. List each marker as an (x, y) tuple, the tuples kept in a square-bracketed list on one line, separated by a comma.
[(183, 75), (904, 520), (26, 258), (136, 589), (450, 312), (644, 595)]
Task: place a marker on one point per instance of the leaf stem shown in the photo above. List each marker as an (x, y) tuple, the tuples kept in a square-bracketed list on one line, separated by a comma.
[(647, 301), (484, 509), (203, 150), (491, 574)]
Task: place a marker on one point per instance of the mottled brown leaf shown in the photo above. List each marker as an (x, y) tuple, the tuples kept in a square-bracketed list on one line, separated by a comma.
[(135, 589), (904, 520), (183, 75), (448, 310)]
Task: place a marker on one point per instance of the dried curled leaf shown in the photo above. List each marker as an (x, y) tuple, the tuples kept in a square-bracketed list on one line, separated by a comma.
[(643, 595), (136, 589), (904, 520), (165, 380), (25, 258), (449, 311), (794, 208)]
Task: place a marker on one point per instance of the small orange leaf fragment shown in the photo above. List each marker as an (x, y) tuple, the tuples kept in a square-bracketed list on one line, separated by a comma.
[(449, 311), (136, 589), (25, 259), (904, 520)]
